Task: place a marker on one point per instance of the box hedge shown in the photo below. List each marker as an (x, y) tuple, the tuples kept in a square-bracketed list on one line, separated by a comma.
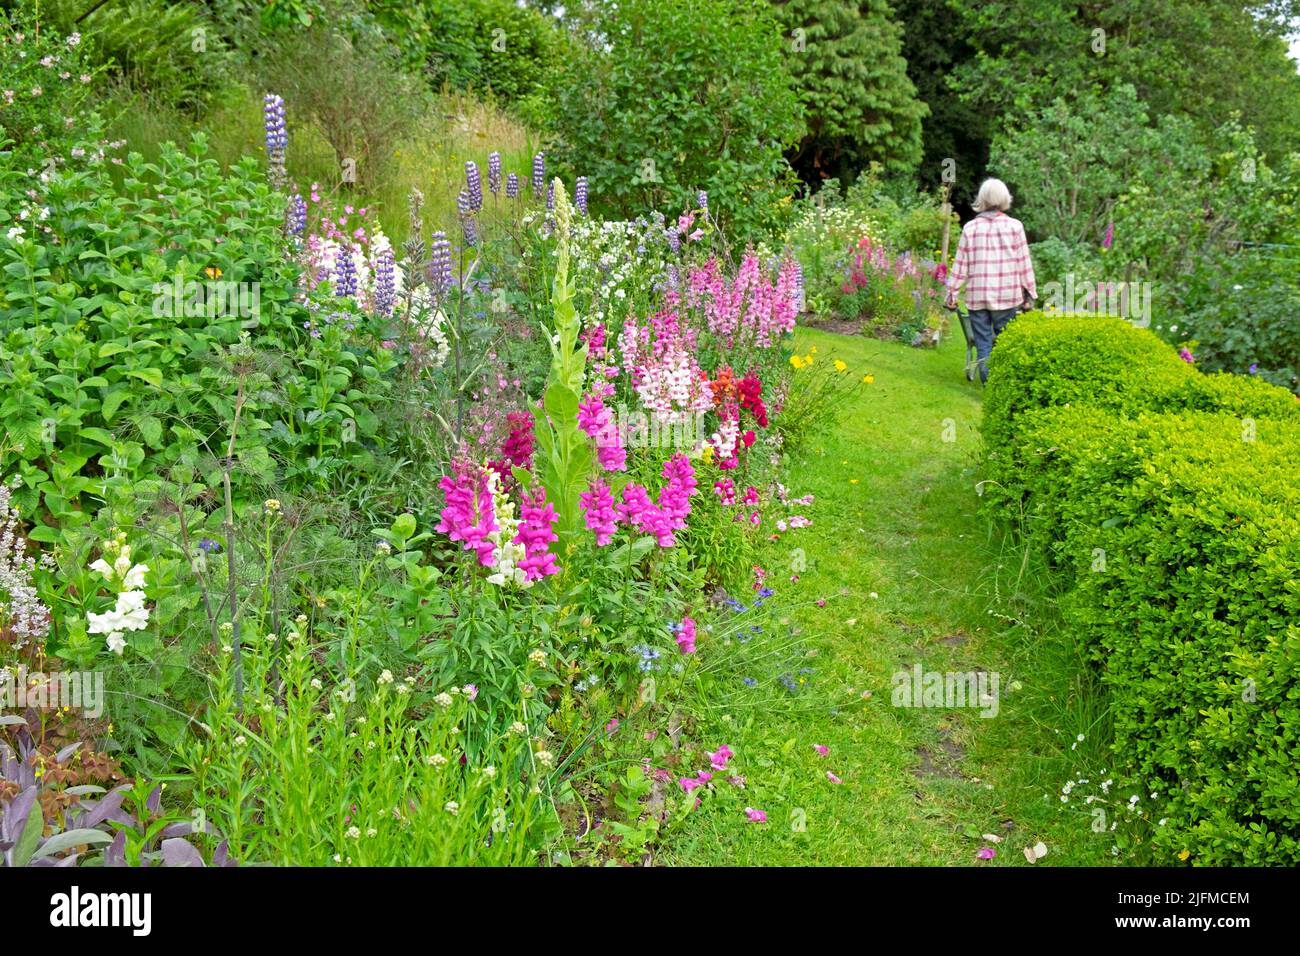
[(1042, 361), (1175, 532)]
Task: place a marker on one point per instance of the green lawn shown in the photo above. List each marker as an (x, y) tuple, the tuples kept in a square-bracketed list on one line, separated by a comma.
[(910, 572)]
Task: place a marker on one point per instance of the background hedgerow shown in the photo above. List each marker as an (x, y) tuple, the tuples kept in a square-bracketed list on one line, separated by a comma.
[(713, 109)]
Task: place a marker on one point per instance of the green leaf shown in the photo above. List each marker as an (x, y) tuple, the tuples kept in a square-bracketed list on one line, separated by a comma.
[(70, 838), (30, 836), (151, 375), (403, 526)]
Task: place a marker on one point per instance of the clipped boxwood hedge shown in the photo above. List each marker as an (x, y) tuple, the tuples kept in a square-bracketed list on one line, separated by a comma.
[(1176, 535), (1042, 361)]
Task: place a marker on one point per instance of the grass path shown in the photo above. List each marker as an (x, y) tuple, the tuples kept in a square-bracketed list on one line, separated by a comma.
[(910, 572)]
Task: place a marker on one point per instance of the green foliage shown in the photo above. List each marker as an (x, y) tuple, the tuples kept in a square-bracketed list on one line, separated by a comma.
[(662, 99), (115, 341), (479, 45), (859, 103), (934, 41), (1167, 502), (1242, 313), (364, 105), (317, 774), (44, 82), (172, 51), (563, 457), (1043, 361), (1062, 163)]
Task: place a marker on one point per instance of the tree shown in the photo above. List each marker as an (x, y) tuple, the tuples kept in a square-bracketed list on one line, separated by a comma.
[(954, 134), (860, 105), (1205, 59), (666, 97)]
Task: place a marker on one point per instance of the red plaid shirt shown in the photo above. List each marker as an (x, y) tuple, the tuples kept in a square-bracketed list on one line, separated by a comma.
[(993, 261)]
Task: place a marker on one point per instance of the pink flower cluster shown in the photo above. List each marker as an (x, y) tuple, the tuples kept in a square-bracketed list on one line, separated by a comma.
[(536, 518), (468, 516), (750, 309), (718, 761), (660, 358), (517, 449), (598, 511), (686, 635), (598, 422), (661, 518)]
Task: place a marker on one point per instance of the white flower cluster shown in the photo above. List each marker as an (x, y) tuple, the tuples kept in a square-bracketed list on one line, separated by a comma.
[(506, 557), (429, 324), (129, 613), (622, 257), (21, 608)]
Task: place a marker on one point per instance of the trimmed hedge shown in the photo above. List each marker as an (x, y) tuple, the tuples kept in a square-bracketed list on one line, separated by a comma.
[(1176, 536), (1041, 361)]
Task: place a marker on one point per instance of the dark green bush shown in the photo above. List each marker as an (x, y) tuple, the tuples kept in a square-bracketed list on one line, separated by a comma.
[(1167, 501), (1243, 311), (660, 100), (478, 45)]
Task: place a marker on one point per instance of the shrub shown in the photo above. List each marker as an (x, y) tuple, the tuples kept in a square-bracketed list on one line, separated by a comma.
[(1043, 360), (1166, 500), (661, 100), (1242, 313), (364, 105), (44, 80), (478, 45), (1180, 547), (172, 51)]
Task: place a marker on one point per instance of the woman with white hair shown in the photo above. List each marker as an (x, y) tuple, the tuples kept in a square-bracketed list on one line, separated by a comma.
[(993, 263)]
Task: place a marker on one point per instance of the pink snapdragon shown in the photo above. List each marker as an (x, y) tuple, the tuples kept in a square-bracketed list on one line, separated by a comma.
[(598, 511), (755, 816), (675, 496), (536, 516), (686, 636), (660, 357), (718, 759), (725, 489), (598, 422), (468, 516), (749, 309)]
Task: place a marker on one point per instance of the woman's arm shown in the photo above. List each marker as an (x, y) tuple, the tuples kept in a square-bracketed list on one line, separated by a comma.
[(1027, 280)]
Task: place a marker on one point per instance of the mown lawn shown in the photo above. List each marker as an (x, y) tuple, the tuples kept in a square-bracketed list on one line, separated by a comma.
[(909, 572)]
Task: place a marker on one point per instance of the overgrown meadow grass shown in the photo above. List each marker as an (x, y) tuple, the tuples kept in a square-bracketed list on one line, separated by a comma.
[(431, 157)]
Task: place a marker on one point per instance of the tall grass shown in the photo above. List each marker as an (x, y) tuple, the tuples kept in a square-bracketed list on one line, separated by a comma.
[(431, 157)]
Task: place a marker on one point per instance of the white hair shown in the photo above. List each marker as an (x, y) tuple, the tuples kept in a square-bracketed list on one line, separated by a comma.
[(993, 194)]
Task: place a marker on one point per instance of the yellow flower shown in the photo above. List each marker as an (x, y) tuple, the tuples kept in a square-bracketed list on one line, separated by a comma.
[(840, 365), (813, 350), (808, 359), (1184, 855), (796, 361), (868, 379), (707, 454), (853, 481)]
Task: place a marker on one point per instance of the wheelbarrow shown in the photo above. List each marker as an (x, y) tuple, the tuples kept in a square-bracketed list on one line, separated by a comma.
[(968, 331), (972, 357)]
